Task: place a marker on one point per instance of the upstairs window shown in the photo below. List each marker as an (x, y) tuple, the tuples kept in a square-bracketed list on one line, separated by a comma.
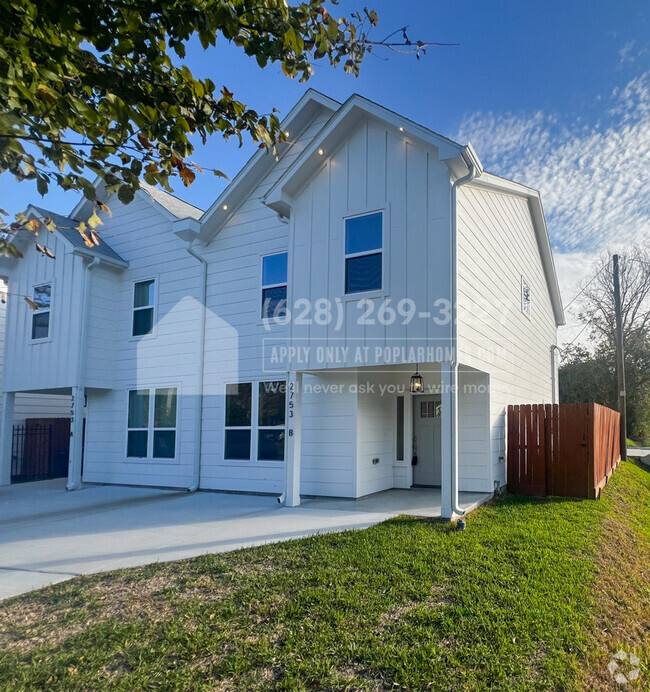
[(41, 317), (363, 253), (274, 285), (144, 293), (525, 297)]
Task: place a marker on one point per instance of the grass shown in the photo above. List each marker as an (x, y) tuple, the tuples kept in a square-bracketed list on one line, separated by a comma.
[(534, 595)]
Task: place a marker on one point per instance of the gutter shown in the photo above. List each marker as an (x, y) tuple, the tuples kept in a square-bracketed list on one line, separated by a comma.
[(196, 472), (75, 482), (475, 169)]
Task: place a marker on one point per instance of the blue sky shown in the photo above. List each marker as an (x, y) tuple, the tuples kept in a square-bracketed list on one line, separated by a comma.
[(554, 94)]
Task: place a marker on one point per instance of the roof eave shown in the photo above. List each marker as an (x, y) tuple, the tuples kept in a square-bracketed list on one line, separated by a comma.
[(218, 214), (109, 261), (353, 111)]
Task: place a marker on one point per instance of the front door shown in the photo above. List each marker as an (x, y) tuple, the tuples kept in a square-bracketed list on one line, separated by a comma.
[(427, 440)]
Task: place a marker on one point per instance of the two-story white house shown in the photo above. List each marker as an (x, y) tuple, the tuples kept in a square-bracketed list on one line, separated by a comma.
[(352, 317)]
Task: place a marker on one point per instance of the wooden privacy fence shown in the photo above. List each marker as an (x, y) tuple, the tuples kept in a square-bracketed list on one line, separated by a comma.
[(562, 449)]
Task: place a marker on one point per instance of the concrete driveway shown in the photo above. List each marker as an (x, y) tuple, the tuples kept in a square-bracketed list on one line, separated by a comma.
[(48, 534)]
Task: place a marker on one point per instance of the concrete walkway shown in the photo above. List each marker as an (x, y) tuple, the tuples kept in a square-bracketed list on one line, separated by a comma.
[(48, 534), (640, 453)]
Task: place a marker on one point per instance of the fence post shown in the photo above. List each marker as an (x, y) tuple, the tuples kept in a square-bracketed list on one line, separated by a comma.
[(6, 437)]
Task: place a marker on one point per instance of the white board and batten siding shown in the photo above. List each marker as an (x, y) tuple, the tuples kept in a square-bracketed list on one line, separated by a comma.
[(49, 363), (497, 246), (168, 357), (28, 405), (376, 168)]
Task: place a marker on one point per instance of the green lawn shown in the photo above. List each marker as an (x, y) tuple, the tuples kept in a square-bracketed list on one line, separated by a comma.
[(535, 594)]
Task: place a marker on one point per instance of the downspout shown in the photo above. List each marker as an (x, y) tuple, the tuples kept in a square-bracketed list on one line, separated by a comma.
[(473, 173), (556, 354), (196, 472), (75, 483)]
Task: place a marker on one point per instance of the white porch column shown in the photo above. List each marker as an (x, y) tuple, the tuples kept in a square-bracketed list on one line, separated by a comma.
[(76, 438), (449, 425), (293, 432), (6, 436), (408, 437)]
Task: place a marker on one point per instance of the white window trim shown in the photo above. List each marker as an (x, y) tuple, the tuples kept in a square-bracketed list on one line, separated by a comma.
[(262, 285), (254, 427), (375, 292), (153, 333), (150, 459), (47, 338), (530, 302)]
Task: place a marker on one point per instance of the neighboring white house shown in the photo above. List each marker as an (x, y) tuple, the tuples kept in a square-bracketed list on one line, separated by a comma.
[(268, 344)]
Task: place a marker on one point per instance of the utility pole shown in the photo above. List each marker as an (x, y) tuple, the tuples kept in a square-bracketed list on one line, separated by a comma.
[(620, 359)]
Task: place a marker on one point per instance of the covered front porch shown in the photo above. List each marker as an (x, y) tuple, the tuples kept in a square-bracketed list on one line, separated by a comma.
[(357, 432), (413, 502)]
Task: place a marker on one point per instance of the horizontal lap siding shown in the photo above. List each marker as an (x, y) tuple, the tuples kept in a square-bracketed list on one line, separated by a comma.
[(235, 334), (329, 435), (496, 246), (143, 235)]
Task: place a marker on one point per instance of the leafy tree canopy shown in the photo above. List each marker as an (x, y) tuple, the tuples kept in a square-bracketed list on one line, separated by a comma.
[(98, 88)]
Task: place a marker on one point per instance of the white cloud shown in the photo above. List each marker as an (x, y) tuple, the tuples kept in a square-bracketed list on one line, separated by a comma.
[(594, 180)]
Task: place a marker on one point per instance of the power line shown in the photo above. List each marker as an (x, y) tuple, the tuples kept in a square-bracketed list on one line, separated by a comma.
[(584, 288)]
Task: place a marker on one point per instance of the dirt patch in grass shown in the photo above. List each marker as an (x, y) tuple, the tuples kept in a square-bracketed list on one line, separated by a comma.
[(623, 586), (32, 624), (436, 599)]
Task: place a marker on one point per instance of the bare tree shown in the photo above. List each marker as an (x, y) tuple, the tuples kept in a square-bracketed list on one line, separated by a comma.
[(598, 297)]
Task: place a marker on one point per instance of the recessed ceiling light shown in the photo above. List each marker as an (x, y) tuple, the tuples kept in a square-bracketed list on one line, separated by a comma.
[(320, 152), (225, 207), (401, 129)]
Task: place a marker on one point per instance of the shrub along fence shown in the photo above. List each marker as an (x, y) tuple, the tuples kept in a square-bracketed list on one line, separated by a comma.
[(562, 449)]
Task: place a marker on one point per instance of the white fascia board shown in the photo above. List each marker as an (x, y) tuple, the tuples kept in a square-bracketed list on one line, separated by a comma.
[(238, 191), (108, 261), (353, 111)]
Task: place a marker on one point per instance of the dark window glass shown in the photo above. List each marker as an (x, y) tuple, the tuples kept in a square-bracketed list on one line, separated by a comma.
[(270, 445), (399, 437), (271, 407), (363, 273), (363, 233), (42, 295), (274, 302), (137, 443), (164, 414), (238, 444), (164, 444), (40, 325), (138, 408), (274, 269), (238, 404), (142, 321), (143, 294)]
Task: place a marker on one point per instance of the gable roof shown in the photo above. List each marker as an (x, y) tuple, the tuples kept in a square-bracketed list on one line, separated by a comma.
[(179, 208), (347, 117), (66, 226), (297, 120), (172, 207)]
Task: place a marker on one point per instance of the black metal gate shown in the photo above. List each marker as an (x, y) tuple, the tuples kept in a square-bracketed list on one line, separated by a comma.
[(39, 450)]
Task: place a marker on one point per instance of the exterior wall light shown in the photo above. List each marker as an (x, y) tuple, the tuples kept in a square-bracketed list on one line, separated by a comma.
[(417, 383)]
